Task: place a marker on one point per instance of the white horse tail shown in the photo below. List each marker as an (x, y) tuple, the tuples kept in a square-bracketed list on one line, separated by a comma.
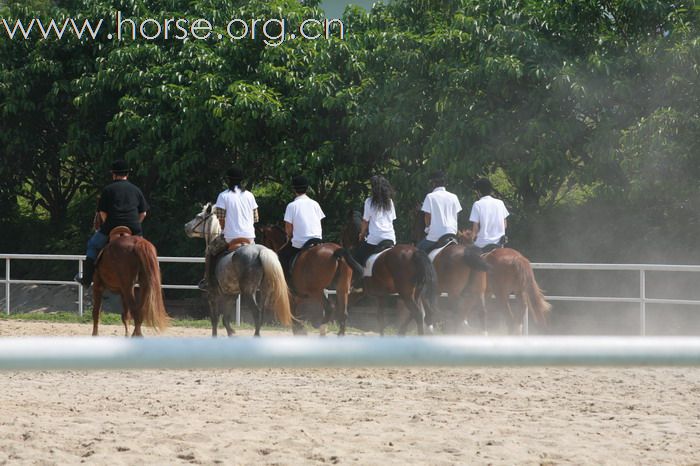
[(275, 294)]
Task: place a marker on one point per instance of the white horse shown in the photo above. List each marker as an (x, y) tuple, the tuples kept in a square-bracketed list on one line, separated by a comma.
[(243, 272)]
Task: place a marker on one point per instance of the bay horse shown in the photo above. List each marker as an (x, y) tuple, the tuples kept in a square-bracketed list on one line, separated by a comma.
[(461, 274), (252, 267), (511, 272), (404, 270), (314, 270), (126, 261)]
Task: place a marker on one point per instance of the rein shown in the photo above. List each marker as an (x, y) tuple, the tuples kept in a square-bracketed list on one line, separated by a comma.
[(201, 223)]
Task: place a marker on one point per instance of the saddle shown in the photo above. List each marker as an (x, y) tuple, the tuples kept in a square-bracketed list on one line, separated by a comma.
[(444, 240), (114, 233), (380, 249), (236, 243), (118, 232)]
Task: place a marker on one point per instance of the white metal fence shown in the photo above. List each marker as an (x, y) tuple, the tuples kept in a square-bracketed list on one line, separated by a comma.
[(642, 300)]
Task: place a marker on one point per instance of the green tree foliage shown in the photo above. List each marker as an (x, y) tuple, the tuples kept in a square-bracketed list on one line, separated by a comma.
[(567, 105)]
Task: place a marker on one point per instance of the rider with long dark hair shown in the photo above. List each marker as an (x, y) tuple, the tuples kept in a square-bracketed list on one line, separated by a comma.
[(377, 219)]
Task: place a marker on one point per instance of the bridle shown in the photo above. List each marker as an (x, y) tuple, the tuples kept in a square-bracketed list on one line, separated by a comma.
[(202, 221)]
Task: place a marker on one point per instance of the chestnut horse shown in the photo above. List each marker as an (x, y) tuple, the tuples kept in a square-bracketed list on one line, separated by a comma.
[(252, 267), (404, 270), (511, 272), (314, 270), (124, 262)]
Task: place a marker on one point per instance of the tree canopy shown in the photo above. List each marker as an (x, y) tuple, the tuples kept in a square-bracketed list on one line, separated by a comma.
[(584, 113)]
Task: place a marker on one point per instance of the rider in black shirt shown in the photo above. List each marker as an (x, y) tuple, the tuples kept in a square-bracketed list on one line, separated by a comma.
[(121, 204)]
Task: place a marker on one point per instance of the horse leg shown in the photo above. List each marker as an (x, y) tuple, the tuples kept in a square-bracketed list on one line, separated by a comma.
[(415, 312), (96, 308), (214, 314), (381, 321), (328, 311), (129, 305), (227, 305), (257, 311), (297, 326)]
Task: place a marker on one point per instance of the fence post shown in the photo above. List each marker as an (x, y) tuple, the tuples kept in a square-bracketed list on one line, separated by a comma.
[(238, 311), (642, 303), (80, 288), (7, 286)]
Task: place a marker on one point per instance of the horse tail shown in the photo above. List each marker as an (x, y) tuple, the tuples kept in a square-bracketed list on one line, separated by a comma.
[(343, 253), (426, 282), (472, 257), (532, 294), (151, 304), (274, 286)]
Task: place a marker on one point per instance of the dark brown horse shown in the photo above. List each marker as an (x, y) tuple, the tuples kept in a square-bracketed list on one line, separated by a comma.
[(272, 236), (320, 267), (126, 261), (403, 270), (511, 272)]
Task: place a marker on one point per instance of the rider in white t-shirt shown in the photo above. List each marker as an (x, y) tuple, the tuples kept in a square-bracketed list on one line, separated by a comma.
[(377, 220), (237, 212), (488, 217), (441, 209), (302, 222)]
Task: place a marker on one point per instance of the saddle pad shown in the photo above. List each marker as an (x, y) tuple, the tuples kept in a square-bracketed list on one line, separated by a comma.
[(433, 254), (370, 262)]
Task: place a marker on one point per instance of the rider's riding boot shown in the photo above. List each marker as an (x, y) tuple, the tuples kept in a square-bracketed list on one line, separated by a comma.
[(88, 271)]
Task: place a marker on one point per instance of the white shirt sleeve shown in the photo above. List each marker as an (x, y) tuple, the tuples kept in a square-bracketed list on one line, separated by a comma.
[(251, 201), (320, 213), (504, 210), (426, 205), (220, 203), (459, 206), (474, 215), (289, 214), (366, 214), (392, 214)]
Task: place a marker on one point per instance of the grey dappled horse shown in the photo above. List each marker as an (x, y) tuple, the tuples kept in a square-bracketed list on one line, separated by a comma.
[(250, 268)]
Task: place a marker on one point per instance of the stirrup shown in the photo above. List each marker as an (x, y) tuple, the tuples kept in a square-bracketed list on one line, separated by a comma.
[(203, 284), (79, 279)]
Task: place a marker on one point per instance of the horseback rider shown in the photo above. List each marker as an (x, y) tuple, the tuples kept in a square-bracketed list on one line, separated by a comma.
[(121, 204), (237, 212), (488, 217), (441, 209), (302, 222), (377, 220)]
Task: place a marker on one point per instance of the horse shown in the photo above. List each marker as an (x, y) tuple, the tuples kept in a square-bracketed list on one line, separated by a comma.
[(511, 272), (313, 271), (273, 236), (404, 270), (250, 268), (461, 274), (124, 262)]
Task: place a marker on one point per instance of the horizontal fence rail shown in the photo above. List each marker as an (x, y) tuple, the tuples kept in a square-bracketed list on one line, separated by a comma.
[(642, 300), (86, 353)]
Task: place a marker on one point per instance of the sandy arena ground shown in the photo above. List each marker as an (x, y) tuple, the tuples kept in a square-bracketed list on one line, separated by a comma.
[(417, 416)]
